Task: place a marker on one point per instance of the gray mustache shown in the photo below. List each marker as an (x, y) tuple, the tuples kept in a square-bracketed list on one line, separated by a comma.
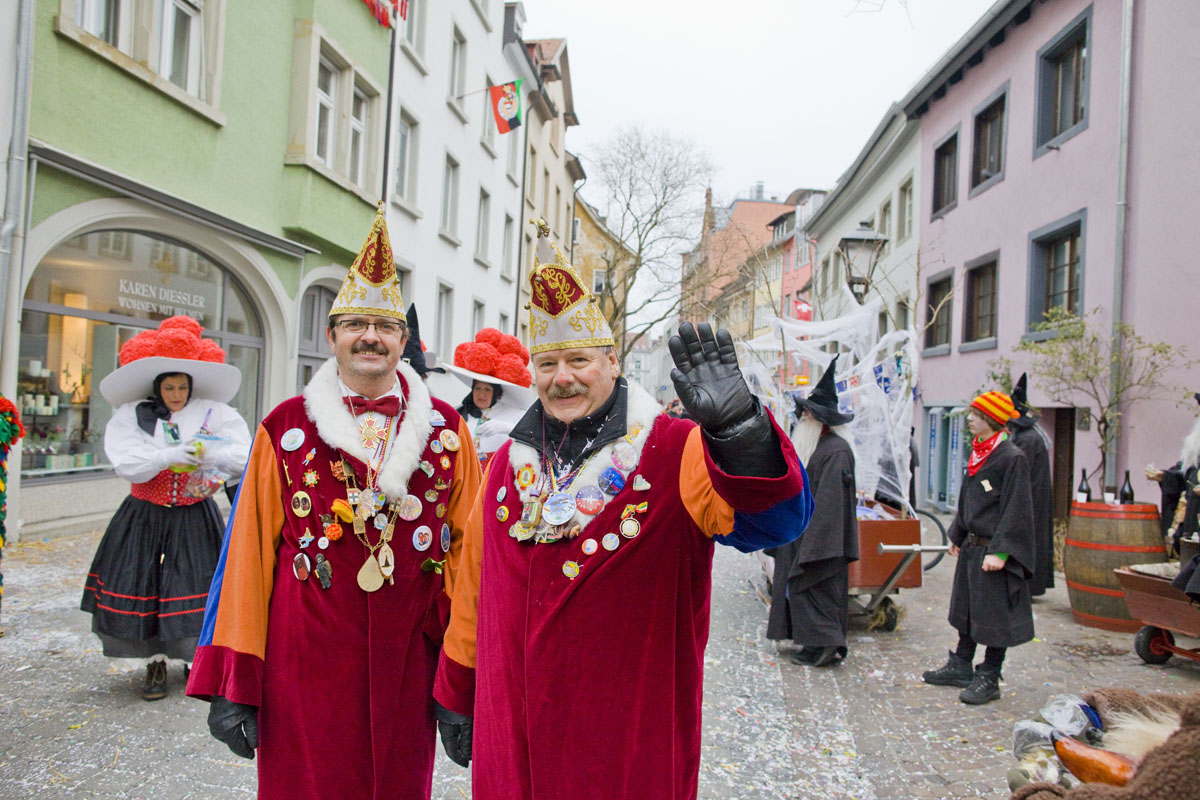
[(563, 392)]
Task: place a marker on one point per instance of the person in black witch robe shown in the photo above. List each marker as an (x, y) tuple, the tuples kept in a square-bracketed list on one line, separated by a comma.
[(1025, 433), (810, 590), (992, 537), (1180, 503)]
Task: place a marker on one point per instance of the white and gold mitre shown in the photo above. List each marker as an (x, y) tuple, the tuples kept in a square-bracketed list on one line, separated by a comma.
[(563, 313), (372, 287)]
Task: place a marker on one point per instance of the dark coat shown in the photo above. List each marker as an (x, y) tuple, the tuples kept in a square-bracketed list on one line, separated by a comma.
[(1032, 444), (1175, 482), (831, 539), (994, 608)]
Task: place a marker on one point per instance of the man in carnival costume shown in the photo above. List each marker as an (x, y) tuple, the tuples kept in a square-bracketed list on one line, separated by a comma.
[(810, 590), (326, 613), (1033, 442), (573, 664)]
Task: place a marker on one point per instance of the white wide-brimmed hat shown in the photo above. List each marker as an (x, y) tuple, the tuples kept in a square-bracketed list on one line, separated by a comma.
[(520, 395), (176, 347)]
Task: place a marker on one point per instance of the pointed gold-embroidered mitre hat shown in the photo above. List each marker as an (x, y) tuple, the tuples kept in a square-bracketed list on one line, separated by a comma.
[(372, 287), (563, 312)]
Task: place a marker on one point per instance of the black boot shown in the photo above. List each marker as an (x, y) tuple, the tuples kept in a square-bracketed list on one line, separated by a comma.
[(829, 656), (984, 688), (155, 685), (806, 655), (955, 672)]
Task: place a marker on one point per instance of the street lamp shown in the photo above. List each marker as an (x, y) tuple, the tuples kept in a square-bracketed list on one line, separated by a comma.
[(865, 241)]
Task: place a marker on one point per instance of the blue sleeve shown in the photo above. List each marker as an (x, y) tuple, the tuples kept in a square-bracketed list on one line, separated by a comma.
[(778, 525)]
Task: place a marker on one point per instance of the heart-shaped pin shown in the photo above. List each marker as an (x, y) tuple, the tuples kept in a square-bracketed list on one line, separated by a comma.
[(640, 484)]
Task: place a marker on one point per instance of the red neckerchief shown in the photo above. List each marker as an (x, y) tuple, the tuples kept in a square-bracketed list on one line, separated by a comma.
[(981, 449)]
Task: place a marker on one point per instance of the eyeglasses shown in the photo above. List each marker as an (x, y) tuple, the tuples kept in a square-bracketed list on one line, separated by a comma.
[(385, 328)]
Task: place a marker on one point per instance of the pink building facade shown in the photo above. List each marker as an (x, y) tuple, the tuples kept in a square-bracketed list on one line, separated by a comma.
[(1022, 174)]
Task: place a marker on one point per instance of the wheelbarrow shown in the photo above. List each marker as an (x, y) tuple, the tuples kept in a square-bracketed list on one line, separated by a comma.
[(889, 553), (1164, 611)]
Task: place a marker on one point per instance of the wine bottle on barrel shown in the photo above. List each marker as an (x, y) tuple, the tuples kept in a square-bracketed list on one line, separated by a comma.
[(1126, 490), (1084, 493)]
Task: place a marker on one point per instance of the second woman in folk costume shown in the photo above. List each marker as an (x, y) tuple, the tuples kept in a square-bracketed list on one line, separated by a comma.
[(494, 367), (326, 614), (148, 582), (992, 536), (573, 664)]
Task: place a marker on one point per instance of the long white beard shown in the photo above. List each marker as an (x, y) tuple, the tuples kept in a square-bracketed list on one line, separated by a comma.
[(805, 437), (1189, 456)]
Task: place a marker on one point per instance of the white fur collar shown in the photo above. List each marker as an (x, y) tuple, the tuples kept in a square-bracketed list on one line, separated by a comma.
[(641, 412), (324, 406)]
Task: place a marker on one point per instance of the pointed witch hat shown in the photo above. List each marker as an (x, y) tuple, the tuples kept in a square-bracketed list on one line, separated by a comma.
[(1020, 400), (822, 401), (414, 353)]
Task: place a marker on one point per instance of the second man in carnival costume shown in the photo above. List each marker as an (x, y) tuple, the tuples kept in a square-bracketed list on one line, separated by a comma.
[(324, 620)]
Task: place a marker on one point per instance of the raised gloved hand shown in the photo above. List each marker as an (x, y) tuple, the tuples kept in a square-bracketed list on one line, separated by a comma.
[(235, 724), (707, 379), (179, 455), (456, 730)]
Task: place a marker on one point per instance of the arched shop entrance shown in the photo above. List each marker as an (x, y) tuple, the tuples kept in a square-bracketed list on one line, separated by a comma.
[(88, 296)]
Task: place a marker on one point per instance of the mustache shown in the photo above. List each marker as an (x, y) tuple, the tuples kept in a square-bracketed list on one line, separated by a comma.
[(563, 392), (369, 347)]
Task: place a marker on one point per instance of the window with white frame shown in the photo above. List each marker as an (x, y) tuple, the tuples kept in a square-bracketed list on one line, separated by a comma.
[(904, 224), (531, 179), (179, 44), (477, 315), (481, 225), (102, 19), (506, 265), (326, 138), (448, 220), (444, 326), (411, 30), (514, 154), (487, 136), (458, 67), (358, 136), (406, 155), (599, 281), (503, 322)]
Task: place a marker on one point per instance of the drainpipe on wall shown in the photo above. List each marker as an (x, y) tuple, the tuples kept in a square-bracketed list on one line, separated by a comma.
[(516, 322), (17, 148), (1118, 296)]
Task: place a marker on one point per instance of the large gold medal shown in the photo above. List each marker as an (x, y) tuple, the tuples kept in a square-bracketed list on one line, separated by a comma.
[(369, 576)]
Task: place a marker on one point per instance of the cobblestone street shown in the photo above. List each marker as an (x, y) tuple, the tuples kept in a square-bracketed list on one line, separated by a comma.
[(866, 729)]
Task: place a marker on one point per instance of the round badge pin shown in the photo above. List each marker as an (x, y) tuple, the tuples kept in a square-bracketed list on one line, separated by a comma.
[(431, 495), (559, 508), (502, 513), (630, 527), (526, 476), (610, 541), (301, 504), (301, 567), (292, 439), (611, 481), (422, 538), (589, 547), (624, 456), (323, 542), (445, 538), (436, 445), (589, 500), (571, 569), (440, 510), (450, 440), (410, 507), (503, 493), (445, 462), (380, 521)]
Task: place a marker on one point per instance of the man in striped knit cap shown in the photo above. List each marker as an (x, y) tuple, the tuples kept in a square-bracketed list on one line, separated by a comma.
[(992, 537)]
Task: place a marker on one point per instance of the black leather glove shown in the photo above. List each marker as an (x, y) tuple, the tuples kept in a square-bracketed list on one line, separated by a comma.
[(456, 731), (235, 724), (710, 385), (707, 378)]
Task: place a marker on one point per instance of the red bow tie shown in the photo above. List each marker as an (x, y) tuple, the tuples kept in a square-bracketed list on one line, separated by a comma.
[(389, 406)]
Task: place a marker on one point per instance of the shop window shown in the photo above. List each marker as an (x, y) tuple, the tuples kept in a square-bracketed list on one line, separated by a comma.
[(87, 297)]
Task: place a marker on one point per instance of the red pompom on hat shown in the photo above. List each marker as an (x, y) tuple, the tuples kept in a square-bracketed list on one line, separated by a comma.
[(495, 356), (176, 347), (510, 367), (479, 357), (490, 336)]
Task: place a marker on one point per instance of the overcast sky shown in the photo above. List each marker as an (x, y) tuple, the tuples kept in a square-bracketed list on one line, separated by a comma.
[(782, 91)]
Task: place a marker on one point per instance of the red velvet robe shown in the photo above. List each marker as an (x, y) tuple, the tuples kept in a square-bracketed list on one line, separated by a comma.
[(591, 687), (342, 678)]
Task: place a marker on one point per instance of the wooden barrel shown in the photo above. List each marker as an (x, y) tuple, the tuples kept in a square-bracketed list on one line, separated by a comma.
[(1101, 538)]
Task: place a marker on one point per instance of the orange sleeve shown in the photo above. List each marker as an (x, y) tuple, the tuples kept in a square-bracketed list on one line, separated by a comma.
[(462, 498), (708, 509), (255, 533), (459, 644)]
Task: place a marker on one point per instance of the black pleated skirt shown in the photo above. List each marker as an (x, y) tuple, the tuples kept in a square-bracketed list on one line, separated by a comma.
[(149, 581)]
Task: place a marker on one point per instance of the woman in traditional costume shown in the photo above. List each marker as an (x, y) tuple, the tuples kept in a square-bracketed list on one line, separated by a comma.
[(494, 367), (175, 438)]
